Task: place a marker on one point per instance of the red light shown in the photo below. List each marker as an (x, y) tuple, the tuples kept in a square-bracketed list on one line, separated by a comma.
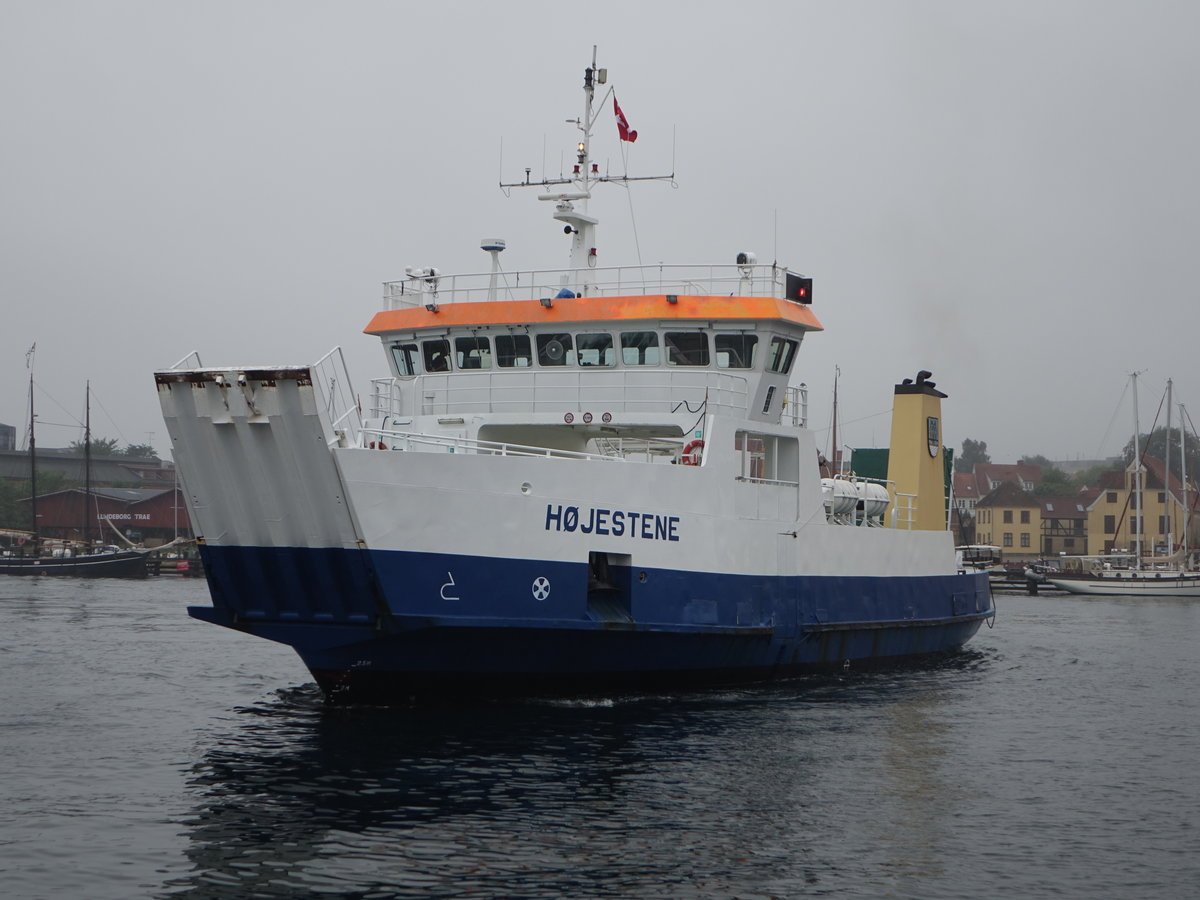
[(799, 288)]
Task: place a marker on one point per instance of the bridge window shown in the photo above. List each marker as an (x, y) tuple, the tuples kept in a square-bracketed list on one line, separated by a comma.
[(408, 359), (473, 353), (780, 355), (513, 351), (736, 351), (554, 350), (686, 348), (595, 350), (436, 355), (639, 348)]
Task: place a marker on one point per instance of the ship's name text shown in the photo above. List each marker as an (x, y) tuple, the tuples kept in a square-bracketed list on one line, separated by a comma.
[(616, 522)]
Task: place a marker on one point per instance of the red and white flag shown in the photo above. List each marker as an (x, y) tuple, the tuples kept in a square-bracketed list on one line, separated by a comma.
[(623, 129)]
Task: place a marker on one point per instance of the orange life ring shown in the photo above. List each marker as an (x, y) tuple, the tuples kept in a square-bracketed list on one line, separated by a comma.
[(380, 446), (693, 452)]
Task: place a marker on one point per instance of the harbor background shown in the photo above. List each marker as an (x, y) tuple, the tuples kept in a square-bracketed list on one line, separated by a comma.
[(150, 755)]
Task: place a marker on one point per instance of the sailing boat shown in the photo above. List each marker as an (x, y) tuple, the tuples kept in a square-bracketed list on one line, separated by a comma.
[(34, 559), (1100, 577)]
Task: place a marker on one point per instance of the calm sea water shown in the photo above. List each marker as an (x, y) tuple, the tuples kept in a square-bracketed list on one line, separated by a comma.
[(147, 755)]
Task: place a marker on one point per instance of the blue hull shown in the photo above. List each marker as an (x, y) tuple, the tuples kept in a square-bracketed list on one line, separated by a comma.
[(388, 626)]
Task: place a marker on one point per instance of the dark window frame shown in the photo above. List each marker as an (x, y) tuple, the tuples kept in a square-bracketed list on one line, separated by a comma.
[(599, 341), (436, 358), (509, 352), (547, 355), (679, 353), (744, 353), (407, 356), (637, 343), (463, 347)]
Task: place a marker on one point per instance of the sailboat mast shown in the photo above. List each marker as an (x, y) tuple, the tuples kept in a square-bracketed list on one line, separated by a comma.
[(87, 465), (1183, 478), (32, 461), (1139, 514), (1167, 478)]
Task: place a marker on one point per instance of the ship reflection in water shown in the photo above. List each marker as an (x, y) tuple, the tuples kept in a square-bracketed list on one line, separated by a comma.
[(646, 797)]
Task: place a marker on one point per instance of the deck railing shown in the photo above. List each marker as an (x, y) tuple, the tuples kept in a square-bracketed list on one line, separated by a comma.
[(339, 406), (388, 439), (576, 391), (428, 285)]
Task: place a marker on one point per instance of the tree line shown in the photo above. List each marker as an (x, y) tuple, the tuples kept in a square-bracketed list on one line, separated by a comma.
[(112, 447)]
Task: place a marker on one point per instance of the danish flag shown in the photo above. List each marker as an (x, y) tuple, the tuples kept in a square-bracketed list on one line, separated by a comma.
[(623, 129)]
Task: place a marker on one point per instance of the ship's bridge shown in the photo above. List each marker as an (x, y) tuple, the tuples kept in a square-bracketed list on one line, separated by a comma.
[(622, 360)]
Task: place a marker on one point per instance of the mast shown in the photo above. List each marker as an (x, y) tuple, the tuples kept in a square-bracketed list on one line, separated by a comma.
[(1139, 514), (32, 454), (833, 450), (571, 200), (87, 465), (1167, 477), (1183, 478)]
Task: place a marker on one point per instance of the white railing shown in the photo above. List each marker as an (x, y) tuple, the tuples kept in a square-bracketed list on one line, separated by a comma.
[(732, 392), (191, 361), (904, 515), (387, 439), (795, 407), (421, 287), (562, 390), (331, 382)]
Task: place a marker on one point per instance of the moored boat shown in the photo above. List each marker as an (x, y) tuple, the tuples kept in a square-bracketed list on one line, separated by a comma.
[(1120, 574), (579, 479), (28, 554), (103, 562), (1136, 583)]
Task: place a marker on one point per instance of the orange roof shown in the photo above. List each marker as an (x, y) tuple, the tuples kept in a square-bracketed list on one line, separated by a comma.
[(594, 309)]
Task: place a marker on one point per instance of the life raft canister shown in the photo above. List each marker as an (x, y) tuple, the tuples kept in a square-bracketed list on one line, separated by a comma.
[(693, 453)]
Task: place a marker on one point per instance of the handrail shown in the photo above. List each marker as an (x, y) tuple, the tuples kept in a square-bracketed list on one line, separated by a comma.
[(460, 392), (194, 354), (331, 378), (452, 444), (423, 285), (909, 509)]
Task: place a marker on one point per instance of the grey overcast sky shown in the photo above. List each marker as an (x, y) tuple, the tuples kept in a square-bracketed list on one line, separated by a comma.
[(1006, 193)]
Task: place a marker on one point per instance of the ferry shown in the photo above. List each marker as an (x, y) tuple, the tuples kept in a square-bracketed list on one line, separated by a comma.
[(571, 480)]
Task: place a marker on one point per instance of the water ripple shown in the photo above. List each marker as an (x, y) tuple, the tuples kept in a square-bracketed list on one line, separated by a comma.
[(150, 756)]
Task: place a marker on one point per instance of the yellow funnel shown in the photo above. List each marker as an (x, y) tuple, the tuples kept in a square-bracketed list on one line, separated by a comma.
[(915, 464)]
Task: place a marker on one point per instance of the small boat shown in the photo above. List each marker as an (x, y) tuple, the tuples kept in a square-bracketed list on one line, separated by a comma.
[(103, 562), (1134, 582), (572, 480), (29, 554), (1119, 574)]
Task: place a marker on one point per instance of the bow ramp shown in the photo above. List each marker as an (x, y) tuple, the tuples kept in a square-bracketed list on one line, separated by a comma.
[(268, 503)]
